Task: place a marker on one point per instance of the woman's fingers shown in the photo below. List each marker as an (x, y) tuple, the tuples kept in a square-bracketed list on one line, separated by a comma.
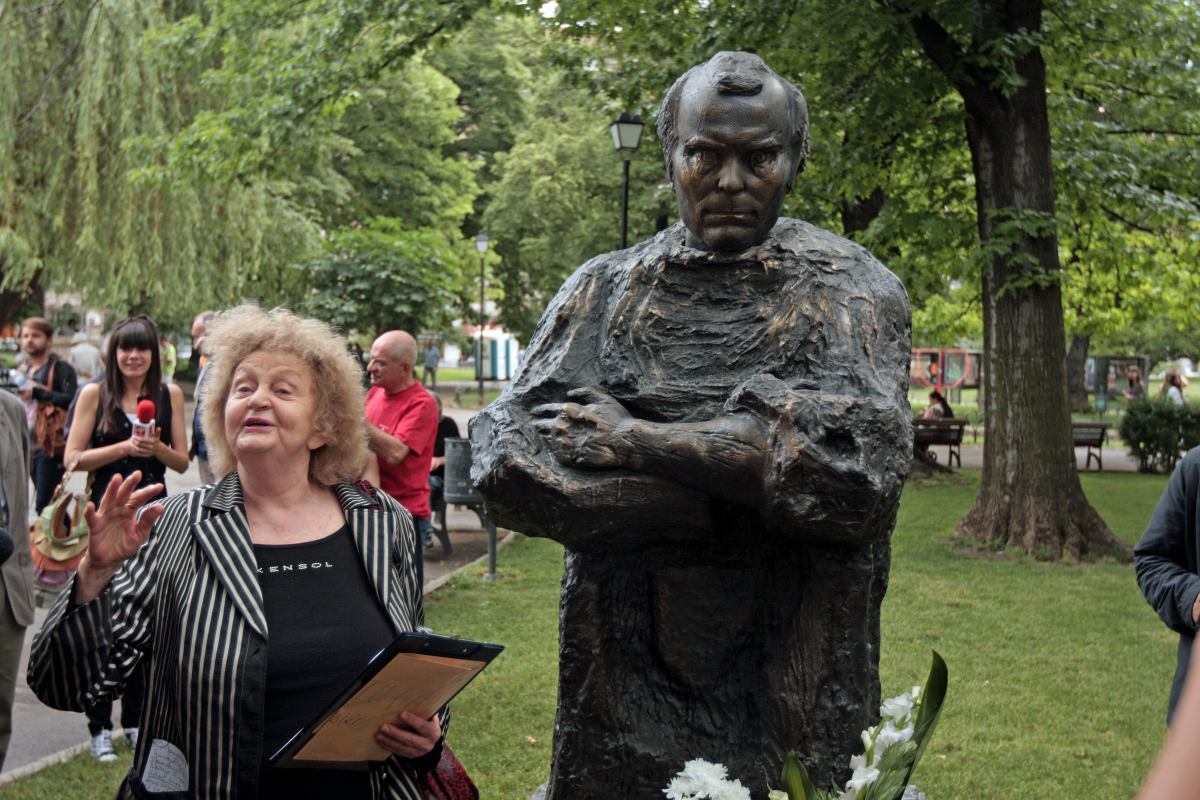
[(409, 735), (141, 496)]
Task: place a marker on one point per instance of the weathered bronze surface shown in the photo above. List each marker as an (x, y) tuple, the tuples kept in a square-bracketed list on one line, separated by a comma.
[(715, 424)]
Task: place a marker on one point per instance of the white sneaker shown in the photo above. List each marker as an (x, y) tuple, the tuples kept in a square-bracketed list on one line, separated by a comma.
[(102, 749), (131, 738)]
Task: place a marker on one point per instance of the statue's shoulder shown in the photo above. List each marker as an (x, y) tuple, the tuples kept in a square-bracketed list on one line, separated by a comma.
[(608, 274), (844, 261)]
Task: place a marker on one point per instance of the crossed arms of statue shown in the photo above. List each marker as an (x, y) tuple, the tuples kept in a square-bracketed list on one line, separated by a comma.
[(822, 455)]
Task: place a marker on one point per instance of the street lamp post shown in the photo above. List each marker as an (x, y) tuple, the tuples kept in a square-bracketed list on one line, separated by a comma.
[(626, 132), (481, 246)]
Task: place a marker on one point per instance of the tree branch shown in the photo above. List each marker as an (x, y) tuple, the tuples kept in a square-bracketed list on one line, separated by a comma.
[(950, 59)]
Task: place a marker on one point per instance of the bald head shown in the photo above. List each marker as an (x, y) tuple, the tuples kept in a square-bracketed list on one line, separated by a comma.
[(393, 355), (200, 327)]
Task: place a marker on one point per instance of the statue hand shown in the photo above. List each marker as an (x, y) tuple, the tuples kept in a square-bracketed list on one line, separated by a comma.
[(585, 435)]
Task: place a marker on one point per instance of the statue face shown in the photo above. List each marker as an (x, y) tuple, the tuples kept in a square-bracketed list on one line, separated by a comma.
[(731, 167)]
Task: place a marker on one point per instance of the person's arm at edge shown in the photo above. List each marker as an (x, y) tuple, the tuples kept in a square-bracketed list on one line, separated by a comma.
[(1176, 772), (1160, 558)]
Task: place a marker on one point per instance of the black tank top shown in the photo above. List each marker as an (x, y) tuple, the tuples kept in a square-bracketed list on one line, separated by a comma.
[(153, 470)]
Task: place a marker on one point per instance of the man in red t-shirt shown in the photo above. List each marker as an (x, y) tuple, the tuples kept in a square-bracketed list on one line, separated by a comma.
[(404, 418)]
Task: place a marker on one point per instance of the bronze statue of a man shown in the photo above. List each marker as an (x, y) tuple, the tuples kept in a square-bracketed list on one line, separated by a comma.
[(715, 424)]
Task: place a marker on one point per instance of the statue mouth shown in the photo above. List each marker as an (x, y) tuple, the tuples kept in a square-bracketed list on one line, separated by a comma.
[(731, 217)]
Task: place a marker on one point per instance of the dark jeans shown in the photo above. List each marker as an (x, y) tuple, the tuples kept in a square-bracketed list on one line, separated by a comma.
[(423, 527), (99, 716), (47, 474)]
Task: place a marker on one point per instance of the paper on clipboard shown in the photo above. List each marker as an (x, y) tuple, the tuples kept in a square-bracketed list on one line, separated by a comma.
[(414, 682)]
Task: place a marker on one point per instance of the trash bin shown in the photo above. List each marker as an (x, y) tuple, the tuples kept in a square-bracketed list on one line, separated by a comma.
[(458, 489)]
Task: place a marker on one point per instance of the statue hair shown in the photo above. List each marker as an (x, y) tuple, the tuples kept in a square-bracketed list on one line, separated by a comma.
[(736, 73)]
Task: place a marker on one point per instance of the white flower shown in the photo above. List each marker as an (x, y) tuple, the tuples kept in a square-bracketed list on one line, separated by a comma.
[(888, 736), (704, 772), (729, 790), (862, 777), (897, 708), (858, 761), (680, 788), (912, 793), (700, 780)]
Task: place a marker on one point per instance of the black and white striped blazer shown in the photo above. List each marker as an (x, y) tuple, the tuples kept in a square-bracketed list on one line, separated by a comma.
[(190, 604)]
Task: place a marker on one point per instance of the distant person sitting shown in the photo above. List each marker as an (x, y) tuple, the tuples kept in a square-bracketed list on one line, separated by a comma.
[(1135, 388), (447, 429), (938, 408), (1172, 387)]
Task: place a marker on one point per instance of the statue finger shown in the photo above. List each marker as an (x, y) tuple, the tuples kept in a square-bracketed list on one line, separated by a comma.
[(589, 394), (547, 410)]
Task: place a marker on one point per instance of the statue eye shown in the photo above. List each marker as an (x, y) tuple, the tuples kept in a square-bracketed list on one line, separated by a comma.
[(701, 157), (763, 158)]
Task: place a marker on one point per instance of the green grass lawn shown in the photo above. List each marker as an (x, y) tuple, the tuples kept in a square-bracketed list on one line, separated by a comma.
[(1058, 673)]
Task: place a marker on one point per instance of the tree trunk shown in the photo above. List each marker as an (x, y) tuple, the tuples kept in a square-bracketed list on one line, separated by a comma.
[(1077, 372), (13, 301), (1029, 494), (858, 214)]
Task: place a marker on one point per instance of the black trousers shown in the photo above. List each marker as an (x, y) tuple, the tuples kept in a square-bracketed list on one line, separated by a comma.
[(99, 716), (47, 474)]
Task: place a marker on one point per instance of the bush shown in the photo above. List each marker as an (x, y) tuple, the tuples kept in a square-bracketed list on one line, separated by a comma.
[(1158, 431)]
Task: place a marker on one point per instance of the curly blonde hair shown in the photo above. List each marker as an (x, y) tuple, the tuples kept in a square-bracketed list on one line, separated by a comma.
[(337, 379)]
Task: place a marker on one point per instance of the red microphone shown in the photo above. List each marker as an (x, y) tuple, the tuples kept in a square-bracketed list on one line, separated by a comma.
[(145, 414)]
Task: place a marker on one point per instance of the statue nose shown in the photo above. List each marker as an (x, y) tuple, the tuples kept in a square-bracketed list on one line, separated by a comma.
[(730, 178)]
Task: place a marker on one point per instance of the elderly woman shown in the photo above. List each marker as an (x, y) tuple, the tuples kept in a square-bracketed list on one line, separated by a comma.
[(243, 647)]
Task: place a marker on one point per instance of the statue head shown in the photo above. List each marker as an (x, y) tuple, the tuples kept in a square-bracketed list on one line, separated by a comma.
[(734, 135)]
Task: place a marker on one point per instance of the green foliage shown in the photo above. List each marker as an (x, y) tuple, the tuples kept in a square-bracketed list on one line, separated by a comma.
[(401, 129), (557, 202), (1158, 432), (383, 277), (78, 91)]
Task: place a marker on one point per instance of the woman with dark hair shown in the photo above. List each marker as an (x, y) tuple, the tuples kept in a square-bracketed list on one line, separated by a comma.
[(938, 407), (105, 442)]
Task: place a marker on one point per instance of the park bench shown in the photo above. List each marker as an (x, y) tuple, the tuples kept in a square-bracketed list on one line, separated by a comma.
[(459, 491), (948, 432), (1090, 435)]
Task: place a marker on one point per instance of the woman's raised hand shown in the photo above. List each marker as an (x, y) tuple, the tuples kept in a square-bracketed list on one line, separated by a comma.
[(115, 532)]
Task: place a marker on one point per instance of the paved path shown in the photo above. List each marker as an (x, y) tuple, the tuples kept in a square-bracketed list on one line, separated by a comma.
[(1116, 459)]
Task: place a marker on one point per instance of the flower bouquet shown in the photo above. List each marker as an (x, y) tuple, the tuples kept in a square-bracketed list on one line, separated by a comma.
[(882, 772), (893, 748)]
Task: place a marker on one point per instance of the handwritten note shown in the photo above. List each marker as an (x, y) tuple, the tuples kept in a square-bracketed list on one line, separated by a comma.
[(410, 682), (166, 768)]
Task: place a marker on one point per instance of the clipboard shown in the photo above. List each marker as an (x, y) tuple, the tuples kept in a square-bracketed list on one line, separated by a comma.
[(418, 672)]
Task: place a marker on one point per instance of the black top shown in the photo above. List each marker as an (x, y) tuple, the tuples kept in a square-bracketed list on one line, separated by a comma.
[(62, 389), (447, 429), (153, 470), (324, 624)]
